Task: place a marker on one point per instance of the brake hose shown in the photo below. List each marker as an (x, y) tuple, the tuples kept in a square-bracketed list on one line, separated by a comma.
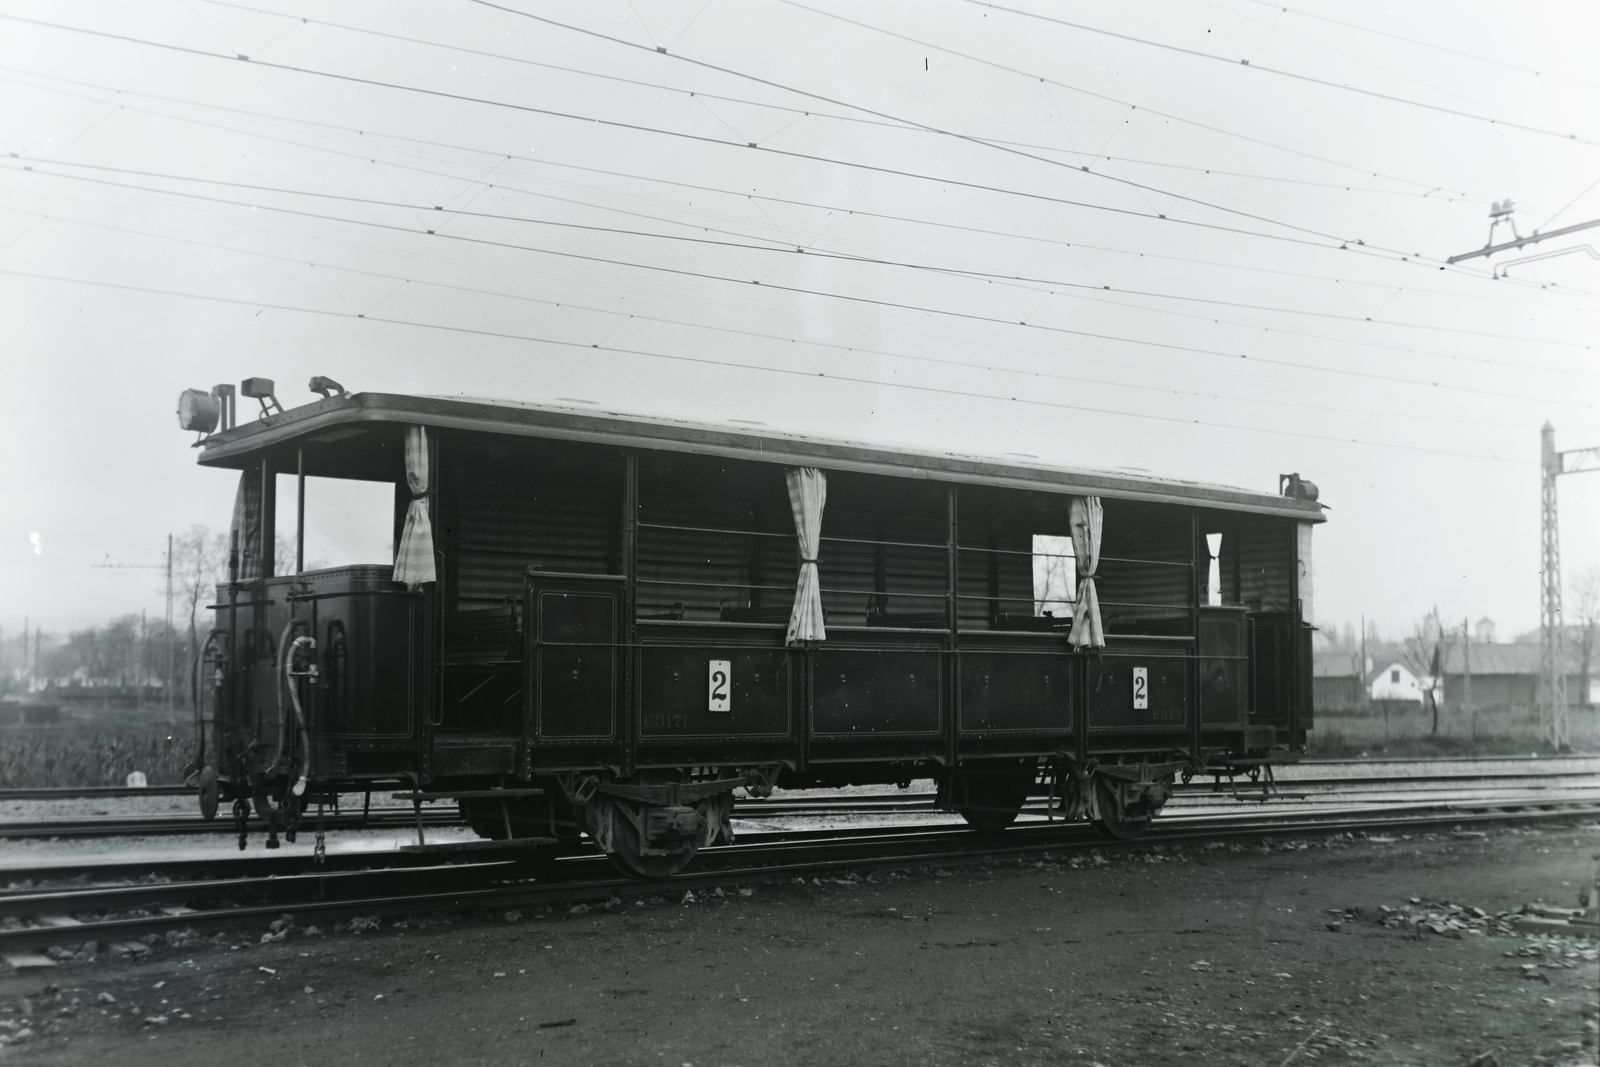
[(286, 653)]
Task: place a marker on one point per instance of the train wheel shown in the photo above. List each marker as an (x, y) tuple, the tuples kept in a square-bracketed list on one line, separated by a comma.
[(629, 861), (1114, 824), (209, 793), (992, 802)]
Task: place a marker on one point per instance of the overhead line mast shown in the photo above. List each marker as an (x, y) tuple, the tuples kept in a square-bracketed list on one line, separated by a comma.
[(1552, 698)]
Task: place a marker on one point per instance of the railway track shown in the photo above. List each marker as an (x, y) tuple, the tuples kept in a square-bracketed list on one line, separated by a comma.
[(1314, 782), (100, 913)]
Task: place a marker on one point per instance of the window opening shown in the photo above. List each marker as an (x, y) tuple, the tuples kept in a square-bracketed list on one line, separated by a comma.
[(1055, 575), (348, 521), (1394, 677), (1214, 570)]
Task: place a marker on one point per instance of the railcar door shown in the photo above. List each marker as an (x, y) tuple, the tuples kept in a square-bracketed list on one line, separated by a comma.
[(573, 685)]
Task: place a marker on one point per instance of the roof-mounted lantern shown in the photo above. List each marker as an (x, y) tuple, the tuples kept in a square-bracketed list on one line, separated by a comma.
[(1297, 488), (325, 387), (262, 389)]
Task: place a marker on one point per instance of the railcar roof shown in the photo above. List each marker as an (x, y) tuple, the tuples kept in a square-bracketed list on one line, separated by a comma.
[(325, 421)]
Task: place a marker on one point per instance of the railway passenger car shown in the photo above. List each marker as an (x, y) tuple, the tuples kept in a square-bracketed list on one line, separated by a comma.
[(602, 625)]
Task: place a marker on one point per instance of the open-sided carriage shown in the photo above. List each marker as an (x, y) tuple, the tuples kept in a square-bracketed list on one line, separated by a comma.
[(600, 624)]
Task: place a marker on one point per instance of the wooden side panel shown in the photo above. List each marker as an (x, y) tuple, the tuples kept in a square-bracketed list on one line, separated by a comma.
[(1110, 693), (866, 692), (674, 693), (1029, 692)]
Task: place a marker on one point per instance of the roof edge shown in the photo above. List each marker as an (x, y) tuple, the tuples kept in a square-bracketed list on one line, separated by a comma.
[(227, 448)]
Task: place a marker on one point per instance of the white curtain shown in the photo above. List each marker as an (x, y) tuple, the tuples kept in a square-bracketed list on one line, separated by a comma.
[(808, 491), (413, 560), (1086, 522)]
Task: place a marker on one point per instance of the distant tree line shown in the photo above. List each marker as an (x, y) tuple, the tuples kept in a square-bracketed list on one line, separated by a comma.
[(134, 651)]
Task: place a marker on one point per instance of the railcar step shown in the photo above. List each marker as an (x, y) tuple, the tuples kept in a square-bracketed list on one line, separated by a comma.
[(473, 846), (467, 794)]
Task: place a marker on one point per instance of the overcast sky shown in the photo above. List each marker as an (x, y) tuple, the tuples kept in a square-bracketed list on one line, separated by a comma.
[(1203, 238)]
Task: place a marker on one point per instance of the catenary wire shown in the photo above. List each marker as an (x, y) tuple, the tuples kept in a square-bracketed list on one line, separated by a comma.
[(1326, 239), (1307, 78), (1245, 175), (877, 383), (1274, 5), (1078, 290), (844, 297), (771, 199), (847, 349), (995, 64), (969, 138)]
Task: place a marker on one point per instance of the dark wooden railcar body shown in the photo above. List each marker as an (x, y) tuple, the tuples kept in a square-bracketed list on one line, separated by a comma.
[(595, 571)]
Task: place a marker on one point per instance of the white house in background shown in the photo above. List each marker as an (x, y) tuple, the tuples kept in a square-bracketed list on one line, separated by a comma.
[(1396, 682)]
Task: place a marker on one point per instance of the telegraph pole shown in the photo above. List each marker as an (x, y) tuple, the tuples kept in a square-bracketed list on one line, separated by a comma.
[(1552, 665)]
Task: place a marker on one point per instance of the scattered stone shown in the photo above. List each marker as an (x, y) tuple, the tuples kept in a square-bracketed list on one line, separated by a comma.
[(23, 962), (360, 925), (513, 916), (688, 896), (105, 998), (579, 909)]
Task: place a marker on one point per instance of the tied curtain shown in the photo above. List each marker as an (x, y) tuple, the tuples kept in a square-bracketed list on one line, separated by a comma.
[(808, 491), (244, 534), (413, 559), (1086, 516)]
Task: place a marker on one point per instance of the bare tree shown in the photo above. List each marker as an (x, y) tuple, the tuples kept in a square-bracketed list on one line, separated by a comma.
[(283, 556), (1054, 575), (199, 563), (1423, 655), (1585, 589)]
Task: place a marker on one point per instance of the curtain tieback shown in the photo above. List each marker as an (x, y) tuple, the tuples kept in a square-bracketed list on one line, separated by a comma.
[(808, 559)]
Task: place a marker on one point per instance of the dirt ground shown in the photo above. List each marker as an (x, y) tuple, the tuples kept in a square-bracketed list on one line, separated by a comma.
[(1219, 955)]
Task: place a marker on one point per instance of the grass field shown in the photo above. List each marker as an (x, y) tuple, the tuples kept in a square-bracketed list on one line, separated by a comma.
[(1497, 732), (84, 754)]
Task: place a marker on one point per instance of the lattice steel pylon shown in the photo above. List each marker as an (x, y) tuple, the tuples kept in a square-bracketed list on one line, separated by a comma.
[(1552, 668), (1552, 698)]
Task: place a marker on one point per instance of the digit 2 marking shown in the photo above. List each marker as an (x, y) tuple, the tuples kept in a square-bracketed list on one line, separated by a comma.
[(1141, 689), (721, 691)]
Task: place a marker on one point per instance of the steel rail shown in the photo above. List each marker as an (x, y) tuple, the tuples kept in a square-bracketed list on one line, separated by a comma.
[(392, 817), (1286, 772), (386, 818), (764, 862)]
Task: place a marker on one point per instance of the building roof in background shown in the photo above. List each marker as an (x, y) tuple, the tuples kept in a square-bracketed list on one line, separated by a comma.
[(1518, 658), (1333, 663)]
